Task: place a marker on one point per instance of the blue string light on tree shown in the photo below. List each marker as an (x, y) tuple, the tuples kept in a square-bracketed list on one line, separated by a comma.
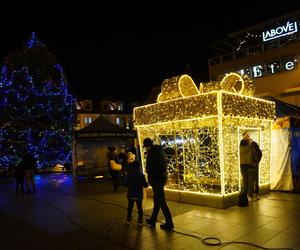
[(36, 109)]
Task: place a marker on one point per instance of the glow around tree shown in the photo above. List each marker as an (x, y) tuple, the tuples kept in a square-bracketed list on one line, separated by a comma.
[(36, 110)]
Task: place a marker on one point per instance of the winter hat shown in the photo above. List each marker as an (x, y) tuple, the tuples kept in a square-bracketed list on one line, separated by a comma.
[(147, 142)]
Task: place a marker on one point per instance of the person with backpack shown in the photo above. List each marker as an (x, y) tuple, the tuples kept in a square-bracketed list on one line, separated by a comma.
[(156, 168)]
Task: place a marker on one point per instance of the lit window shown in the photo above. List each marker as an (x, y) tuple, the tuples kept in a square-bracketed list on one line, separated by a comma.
[(113, 106), (120, 107), (87, 119), (118, 121)]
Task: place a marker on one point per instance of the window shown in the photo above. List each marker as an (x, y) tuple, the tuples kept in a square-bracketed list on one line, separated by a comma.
[(87, 120), (118, 121), (105, 106), (113, 106), (120, 107)]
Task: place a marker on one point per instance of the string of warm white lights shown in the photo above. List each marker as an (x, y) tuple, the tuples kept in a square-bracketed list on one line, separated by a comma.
[(201, 132), (244, 40)]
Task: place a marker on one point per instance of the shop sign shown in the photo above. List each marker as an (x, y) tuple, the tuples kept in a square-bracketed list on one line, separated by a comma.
[(284, 30), (269, 68)]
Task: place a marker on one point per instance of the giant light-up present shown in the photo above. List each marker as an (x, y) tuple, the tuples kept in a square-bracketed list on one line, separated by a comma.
[(200, 130)]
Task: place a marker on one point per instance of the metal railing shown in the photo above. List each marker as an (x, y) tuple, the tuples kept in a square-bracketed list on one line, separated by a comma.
[(253, 50)]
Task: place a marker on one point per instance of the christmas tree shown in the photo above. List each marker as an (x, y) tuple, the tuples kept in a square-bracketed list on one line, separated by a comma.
[(36, 110)]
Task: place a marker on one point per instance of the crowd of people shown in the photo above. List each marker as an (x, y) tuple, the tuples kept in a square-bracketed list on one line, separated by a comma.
[(126, 169), (132, 176)]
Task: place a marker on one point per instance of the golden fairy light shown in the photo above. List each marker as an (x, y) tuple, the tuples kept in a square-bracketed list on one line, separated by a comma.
[(200, 131)]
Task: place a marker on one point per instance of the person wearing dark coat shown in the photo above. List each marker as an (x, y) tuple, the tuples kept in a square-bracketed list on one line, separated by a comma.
[(156, 168), (28, 163), (135, 182), (256, 157), (115, 174), (256, 161), (246, 166), (122, 157), (19, 176)]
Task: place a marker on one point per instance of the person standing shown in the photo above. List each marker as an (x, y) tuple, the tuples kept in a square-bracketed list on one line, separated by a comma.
[(122, 157), (156, 168), (256, 157), (28, 163), (19, 176), (115, 174), (135, 182), (246, 167)]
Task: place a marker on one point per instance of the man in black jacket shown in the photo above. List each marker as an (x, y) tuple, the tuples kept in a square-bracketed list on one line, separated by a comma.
[(156, 168), (256, 156)]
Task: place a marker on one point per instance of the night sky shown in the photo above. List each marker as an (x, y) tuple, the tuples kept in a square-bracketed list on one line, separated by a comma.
[(123, 59)]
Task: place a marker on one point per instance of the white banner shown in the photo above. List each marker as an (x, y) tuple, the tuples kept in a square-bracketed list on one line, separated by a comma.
[(281, 170)]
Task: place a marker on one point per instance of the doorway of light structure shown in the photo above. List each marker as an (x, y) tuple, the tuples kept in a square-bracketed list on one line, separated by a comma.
[(255, 135)]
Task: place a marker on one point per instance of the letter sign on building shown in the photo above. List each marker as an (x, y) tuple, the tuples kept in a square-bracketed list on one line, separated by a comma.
[(257, 71), (270, 68), (284, 30), (289, 65)]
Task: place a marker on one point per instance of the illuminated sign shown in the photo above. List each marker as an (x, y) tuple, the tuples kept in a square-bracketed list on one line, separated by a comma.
[(287, 29), (106, 134), (270, 68)]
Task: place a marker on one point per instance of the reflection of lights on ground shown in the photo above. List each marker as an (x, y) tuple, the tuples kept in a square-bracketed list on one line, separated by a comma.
[(37, 178), (58, 180), (81, 178)]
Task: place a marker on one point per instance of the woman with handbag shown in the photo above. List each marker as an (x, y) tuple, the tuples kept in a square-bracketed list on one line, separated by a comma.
[(114, 167)]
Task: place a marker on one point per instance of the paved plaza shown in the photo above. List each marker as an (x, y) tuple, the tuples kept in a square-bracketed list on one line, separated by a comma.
[(64, 214)]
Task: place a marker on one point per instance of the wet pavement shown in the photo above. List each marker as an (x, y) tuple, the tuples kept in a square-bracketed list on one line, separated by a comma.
[(64, 214)]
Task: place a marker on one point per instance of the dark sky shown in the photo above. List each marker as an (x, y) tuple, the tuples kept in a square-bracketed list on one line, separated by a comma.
[(124, 58)]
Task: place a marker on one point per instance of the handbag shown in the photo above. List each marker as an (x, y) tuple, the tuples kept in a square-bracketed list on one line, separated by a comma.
[(114, 165)]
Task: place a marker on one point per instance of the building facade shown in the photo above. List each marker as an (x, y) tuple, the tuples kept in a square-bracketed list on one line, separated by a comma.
[(268, 53), (117, 112), (100, 124)]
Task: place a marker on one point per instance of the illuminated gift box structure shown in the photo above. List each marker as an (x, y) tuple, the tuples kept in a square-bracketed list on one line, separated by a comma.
[(200, 131)]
